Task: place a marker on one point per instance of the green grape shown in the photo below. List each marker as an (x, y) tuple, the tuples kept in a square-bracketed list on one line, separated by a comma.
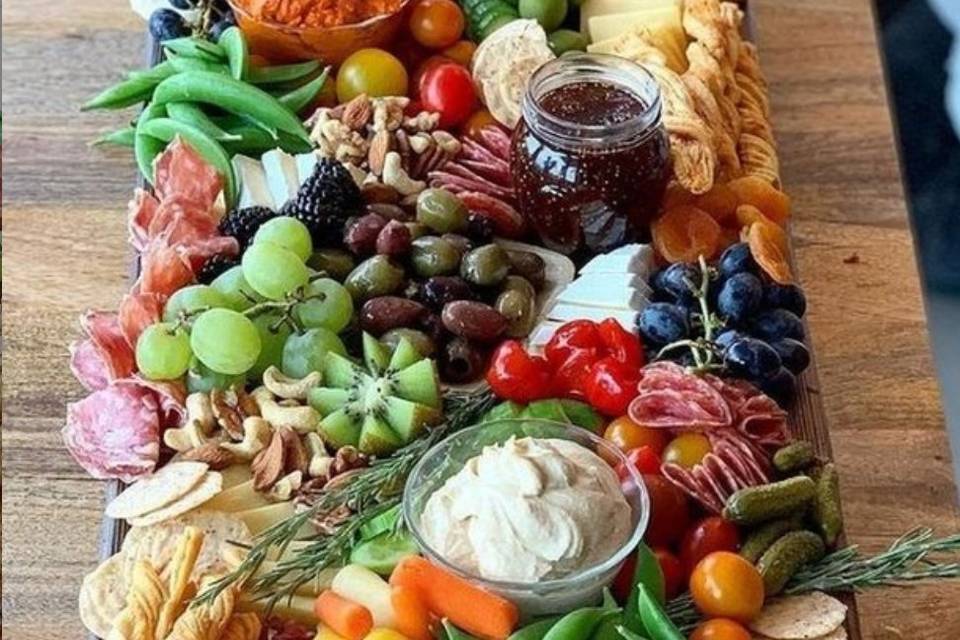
[(202, 379), (272, 339), (305, 352), (235, 288), (163, 351), (190, 300), (333, 310), (287, 232), (273, 271), (225, 340)]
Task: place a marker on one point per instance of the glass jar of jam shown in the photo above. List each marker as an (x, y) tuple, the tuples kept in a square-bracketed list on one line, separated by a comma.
[(591, 157)]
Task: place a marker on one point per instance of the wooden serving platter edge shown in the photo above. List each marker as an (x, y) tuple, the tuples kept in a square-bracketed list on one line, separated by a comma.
[(807, 418)]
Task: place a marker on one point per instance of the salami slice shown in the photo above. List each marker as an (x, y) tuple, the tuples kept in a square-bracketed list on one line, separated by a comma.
[(87, 366), (137, 312), (171, 399), (103, 330), (140, 214), (670, 397)]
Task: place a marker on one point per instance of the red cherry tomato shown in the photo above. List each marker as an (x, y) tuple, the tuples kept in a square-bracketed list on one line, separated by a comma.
[(516, 375), (426, 65), (669, 512), (623, 582), (706, 536), (448, 89), (622, 346), (573, 336), (725, 585), (611, 386), (436, 23), (644, 459), (674, 577), (720, 629)]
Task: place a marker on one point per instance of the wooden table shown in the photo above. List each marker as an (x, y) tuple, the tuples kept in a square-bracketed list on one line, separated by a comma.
[(65, 250)]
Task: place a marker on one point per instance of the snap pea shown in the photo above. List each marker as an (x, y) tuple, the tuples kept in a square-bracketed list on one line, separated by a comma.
[(452, 633), (629, 635), (135, 89), (299, 98), (235, 46), (166, 129), (184, 63), (191, 114), (251, 140), (535, 630), (146, 148), (229, 94), (607, 629), (655, 620), (121, 138), (649, 574), (281, 73), (579, 624), (196, 48)]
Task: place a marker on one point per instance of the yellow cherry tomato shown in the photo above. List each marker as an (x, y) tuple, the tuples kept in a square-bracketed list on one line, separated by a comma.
[(480, 119), (374, 72), (726, 585), (687, 450), (627, 434), (461, 51), (720, 629)]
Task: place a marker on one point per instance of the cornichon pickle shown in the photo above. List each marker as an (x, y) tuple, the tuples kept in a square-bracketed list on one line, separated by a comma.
[(765, 535), (826, 504), (769, 501), (794, 457), (785, 556)]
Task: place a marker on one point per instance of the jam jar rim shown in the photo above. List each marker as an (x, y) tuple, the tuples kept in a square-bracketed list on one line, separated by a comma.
[(595, 67)]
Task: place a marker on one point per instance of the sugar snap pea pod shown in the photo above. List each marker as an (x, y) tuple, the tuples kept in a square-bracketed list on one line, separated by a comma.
[(292, 144), (234, 44), (196, 48), (282, 72), (184, 63), (166, 129), (535, 630), (607, 629), (156, 73), (579, 623), (229, 94), (299, 98), (649, 574), (135, 89), (120, 138), (629, 635), (146, 148), (191, 114), (655, 620), (252, 140), (452, 633)]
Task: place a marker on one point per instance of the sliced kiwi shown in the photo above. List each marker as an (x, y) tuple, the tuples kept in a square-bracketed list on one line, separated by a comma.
[(380, 405)]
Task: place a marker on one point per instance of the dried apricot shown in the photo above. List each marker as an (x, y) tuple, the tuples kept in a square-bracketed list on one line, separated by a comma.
[(675, 195), (747, 214), (684, 233), (728, 236), (720, 202), (768, 245), (761, 194)]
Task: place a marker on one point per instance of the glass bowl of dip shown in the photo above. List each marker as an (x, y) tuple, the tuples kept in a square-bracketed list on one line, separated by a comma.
[(551, 594)]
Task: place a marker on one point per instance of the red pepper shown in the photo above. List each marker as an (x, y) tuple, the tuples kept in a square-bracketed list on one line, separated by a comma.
[(611, 386), (644, 459), (570, 378), (516, 375), (621, 345), (579, 335)]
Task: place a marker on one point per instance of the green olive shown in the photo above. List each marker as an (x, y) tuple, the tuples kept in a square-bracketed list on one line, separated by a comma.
[(420, 341), (441, 211), (530, 266), (417, 230), (485, 266), (376, 276), (518, 304), (433, 256), (336, 263)]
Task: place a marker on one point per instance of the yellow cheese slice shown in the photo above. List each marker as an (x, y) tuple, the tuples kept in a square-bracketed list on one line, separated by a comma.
[(592, 8), (260, 519), (611, 25), (241, 497), (299, 608), (634, 44)]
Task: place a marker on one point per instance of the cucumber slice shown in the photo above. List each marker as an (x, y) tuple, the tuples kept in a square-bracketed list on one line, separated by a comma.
[(382, 553), (385, 522)]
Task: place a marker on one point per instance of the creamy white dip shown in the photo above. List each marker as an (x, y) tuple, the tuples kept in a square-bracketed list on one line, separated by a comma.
[(528, 510)]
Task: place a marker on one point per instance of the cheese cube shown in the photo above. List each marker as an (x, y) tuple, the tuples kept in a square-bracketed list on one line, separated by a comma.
[(566, 312), (254, 191), (306, 162), (631, 258), (282, 176)]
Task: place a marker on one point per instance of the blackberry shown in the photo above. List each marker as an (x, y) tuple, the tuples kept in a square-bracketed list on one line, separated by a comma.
[(324, 203), (214, 266), (242, 224)]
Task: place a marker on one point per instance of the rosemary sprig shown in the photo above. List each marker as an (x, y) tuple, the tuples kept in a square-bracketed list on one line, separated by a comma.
[(908, 559), (370, 492)]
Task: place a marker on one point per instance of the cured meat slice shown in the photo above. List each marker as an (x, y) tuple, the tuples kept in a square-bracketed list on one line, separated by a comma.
[(115, 432), (495, 139), (140, 213), (756, 415), (670, 397), (181, 173), (87, 366), (171, 398), (163, 270), (137, 312), (103, 330)]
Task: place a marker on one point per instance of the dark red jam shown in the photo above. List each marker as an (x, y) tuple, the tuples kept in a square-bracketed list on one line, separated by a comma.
[(591, 158)]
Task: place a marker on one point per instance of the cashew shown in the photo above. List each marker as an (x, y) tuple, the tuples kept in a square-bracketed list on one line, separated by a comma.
[(420, 142), (256, 434), (359, 175), (320, 461), (283, 489), (396, 177), (301, 418), (198, 427), (289, 388), (447, 142)]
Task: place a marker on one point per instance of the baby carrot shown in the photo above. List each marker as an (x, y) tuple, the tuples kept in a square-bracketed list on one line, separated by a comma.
[(344, 617), (449, 596), (411, 616)]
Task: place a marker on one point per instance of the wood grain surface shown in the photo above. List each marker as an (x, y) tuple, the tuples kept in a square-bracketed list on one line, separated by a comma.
[(65, 250)]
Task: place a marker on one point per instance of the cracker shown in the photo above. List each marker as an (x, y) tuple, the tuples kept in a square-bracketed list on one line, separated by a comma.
[(145, 596), (102, 596), (178, 579), (209, 486), (157, 490), (242, 626), (803, 617)]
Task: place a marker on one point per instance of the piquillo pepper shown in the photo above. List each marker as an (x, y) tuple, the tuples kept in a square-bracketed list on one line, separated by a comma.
[(516, 375)]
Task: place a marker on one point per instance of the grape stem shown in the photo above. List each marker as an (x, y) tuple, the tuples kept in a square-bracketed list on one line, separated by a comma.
[(285, 307), (702, 348)]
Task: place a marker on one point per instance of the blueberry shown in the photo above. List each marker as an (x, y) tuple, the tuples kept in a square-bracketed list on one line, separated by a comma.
[(781, 386), (737, 259), (752, 359), (182, 4), (672, 280), (793, 353), (739, 297), (785, 296), (166, 24), (222, 25), (776, 324), (727, 337), (662, 322)]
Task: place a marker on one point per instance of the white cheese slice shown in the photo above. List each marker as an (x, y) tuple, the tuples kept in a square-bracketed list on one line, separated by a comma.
[(601, 283), (254, 191), (608, 290), (631, 258), (306, 162), (282, 177), (563, 312)]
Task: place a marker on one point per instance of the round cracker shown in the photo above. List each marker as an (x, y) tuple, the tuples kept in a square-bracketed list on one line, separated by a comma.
[(103, 595), (209, 486), (157, 490), (803, 617)]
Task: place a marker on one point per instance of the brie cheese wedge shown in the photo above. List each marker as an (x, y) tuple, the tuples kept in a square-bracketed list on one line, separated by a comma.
[(253, 183), (283, 178)]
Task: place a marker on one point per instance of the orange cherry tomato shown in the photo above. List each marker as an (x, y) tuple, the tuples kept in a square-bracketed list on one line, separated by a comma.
[(461, 51), (627, 434), (436, 23), (720, 629), (725, 585), (687, 450)]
